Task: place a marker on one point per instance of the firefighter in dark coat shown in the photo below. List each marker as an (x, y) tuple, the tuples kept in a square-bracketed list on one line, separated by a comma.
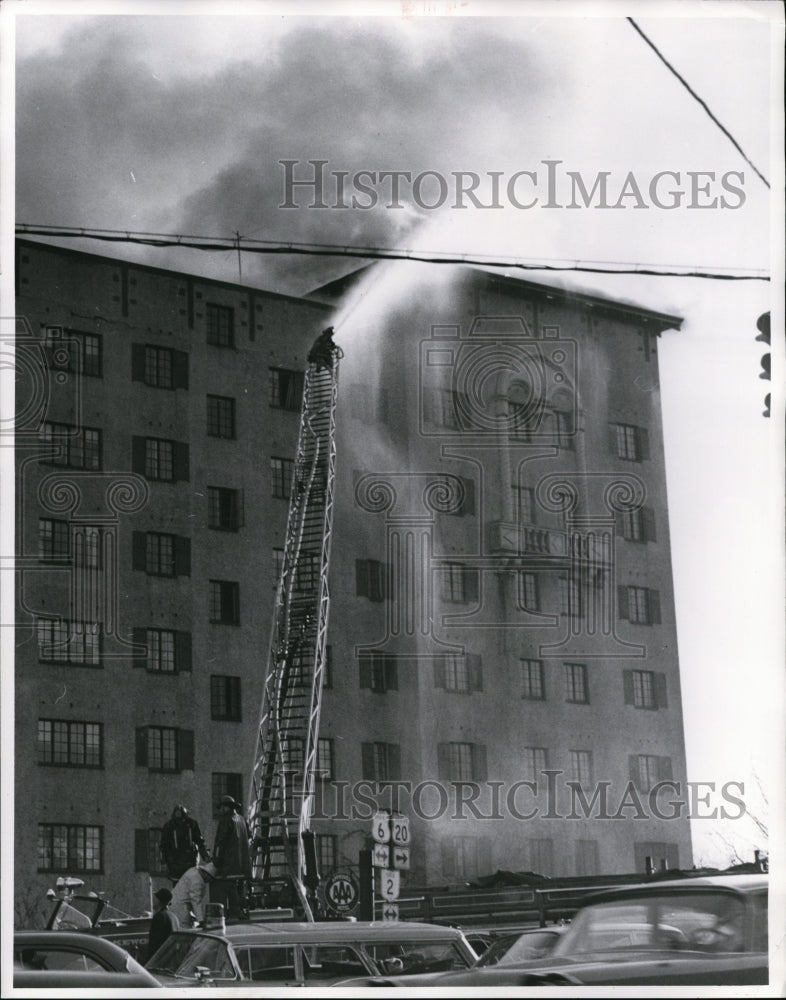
[(181, 843), (232, 857), (164, 921)]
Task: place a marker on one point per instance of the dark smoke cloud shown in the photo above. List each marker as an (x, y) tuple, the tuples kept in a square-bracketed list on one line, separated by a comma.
[(105, 138)]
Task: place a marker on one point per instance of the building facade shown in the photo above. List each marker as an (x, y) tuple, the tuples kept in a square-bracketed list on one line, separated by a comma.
[(502, 637)]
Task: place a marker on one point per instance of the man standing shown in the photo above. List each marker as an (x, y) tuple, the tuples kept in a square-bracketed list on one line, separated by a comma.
[(163, 922), (182, 843), (190, 894), (232, 856)]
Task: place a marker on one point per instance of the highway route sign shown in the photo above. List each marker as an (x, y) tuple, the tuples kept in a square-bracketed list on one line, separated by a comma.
[(341, 892), (380, 827), (388, 883), (390, 911), (399, 830), (380, 856), (399, 857)]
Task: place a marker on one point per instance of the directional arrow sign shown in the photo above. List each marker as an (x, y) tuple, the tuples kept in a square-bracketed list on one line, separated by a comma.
[(399, 830), (380, 855), (390, 911), (399, 857), (380, 827), (388, 884)]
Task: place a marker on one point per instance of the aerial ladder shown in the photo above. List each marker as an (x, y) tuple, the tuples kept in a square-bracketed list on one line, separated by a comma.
[(283, 779)]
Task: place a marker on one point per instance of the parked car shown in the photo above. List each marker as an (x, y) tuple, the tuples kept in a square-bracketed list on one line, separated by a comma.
[(307, 954), (694, 931), (520, 946), (68, 959)]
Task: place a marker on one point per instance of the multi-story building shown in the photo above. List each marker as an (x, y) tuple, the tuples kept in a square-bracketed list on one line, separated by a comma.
[(502, 635)]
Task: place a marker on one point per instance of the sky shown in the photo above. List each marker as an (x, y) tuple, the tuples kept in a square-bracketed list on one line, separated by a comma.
[(158, 119)]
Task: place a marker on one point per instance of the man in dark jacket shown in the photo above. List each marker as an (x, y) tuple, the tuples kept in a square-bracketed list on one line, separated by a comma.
[(181, 842), (163, 922), (232, 856)]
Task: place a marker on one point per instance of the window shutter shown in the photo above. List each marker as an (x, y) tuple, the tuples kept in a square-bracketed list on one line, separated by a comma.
[(182, 651), (642, 443), (648, 524), (179, 370), (367, 761), (182, 556), (138, 451), (619, 523), (141, 860), (439, 671), (394, 762), (484, 856), (240, 504), (141, 746), (443, 761), (365, 671), (653, 607), (137, 362), (479, 768), (622, 602), (661, 697), (471, 585), (468, 507), (633, 768), (429, 405), (391, 673), (448, 857), (475, 670), (613, 446), (664, 769), (180, 460), (361, 578), (627, 686), (140, 550), (185, 749), (139, 637)]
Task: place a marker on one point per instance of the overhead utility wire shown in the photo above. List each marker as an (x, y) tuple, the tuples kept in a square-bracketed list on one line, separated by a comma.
[(367, 253), (693, 94)]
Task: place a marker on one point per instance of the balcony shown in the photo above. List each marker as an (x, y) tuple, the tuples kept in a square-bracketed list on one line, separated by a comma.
[(506, 538)]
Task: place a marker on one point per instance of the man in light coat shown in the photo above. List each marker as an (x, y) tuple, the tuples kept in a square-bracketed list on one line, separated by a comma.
[(191, 894)]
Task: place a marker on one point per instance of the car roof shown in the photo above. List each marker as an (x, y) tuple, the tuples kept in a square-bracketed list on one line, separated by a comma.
[(313, 933), (742, 884), (69, 939)]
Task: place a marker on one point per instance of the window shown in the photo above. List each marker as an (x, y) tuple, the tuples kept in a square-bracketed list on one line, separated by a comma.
[(286, 389), (459, 673), (461, 492), (224, 602), (533, 763), (529, 595), (645, 689), (461, 761), (73, 350), (580, 767), (372, 579), (70, 446), (278, 566), (380, 761), (587, 862), (629, 442), (147, 851), (570, 598), (637, 525), (379, 672), (162, 651), (647, 769), (533, 687), (225, 698), (221, 416), (292, 754), (465, 857), (63, 641), (159, 459), (75, 744), (158, 367), (220, 325), (281, 470), (88, 548), (161, 554), (70, 848), (225, 783), (576, 689), (327, 852), (439, 408), (223, 508), (459, 584), (639, 605), (325, 767), (308, 567), (54, 539), (164, 748), (525, 504)]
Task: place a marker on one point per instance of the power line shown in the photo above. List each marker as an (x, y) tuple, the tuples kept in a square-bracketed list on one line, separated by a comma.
[(696, 97), (218, 243)]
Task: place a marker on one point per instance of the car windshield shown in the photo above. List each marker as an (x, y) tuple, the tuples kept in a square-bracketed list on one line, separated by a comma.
[(706, 921), (407, 957), (515, 948), (182, 955)]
